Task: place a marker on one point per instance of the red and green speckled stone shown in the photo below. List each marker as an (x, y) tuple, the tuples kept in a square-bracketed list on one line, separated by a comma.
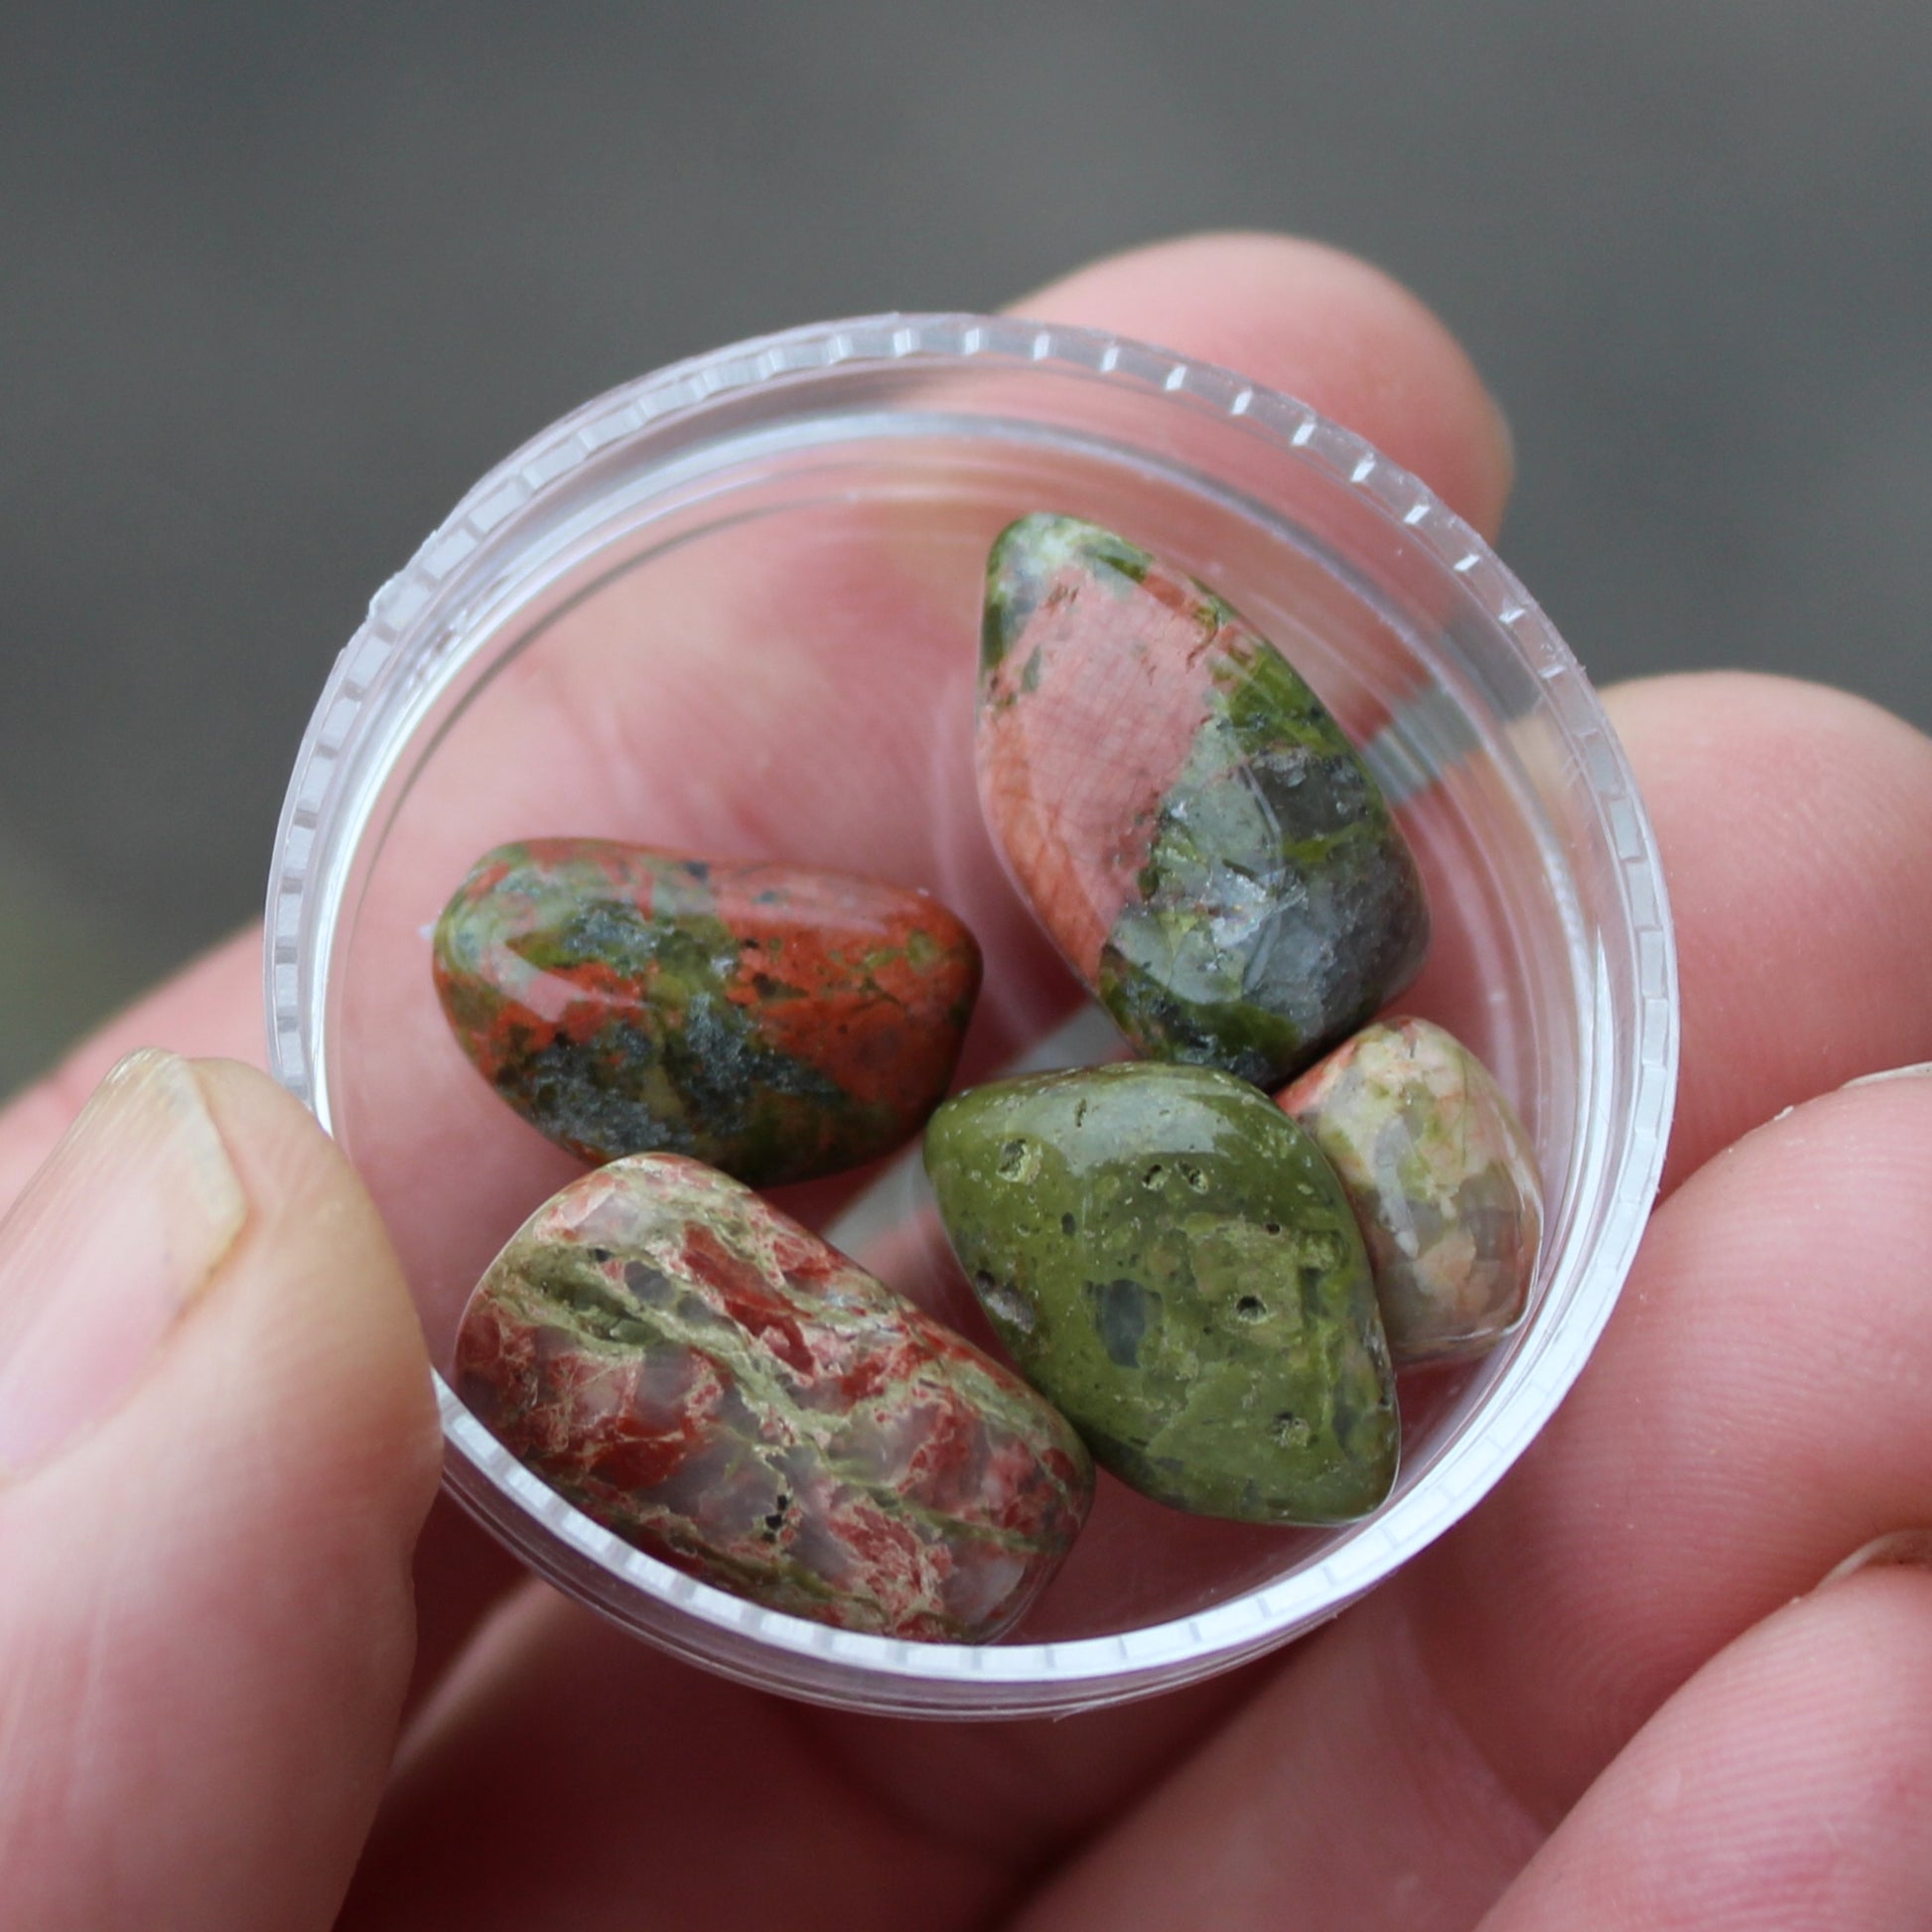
[(778, 1021), (719, 1387), (1192, 826), (1442, 1179)]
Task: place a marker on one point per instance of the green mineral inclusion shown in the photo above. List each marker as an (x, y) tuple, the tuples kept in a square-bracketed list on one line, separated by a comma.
[(1172, 1263)]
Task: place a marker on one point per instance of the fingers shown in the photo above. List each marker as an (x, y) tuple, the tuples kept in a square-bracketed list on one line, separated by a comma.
[(214, 1010), (1801, 953), (1794, 823), (1784, 1785), (520, 1788), (1754, 1412), (1019, 1793), (842, 705), (1323, 326), (215, 1415), (1343, 1794), (665, 761), (1336, 334), (1401, 1769), (593, 1784), (1405, 396)]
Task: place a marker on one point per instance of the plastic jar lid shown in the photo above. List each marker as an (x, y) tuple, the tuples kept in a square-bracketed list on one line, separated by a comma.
[(777, 549)]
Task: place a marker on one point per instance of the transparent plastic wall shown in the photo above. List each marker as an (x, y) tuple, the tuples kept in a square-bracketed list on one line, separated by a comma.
[(731, 608)]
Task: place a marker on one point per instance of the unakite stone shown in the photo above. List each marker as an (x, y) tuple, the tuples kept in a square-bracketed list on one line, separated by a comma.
[(1182, 1278), (1441, 1177), (774, 1021), (1190, 825), (716, 1385)]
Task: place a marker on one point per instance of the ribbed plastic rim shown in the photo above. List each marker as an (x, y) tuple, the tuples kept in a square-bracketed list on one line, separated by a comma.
[(321, 823)]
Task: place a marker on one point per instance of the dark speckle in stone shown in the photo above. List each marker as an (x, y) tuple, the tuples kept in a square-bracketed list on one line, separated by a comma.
[(649, 1284), (1121, 1309)]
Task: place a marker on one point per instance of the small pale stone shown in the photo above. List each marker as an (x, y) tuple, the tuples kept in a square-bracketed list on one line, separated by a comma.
[(1182, 1278), (1190, 823), (1441, 1177), (718, 1386)]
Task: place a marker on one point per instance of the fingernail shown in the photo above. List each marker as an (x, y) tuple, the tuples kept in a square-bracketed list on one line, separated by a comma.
[(1916, 1071), (115, 1236), (1899, 1549)]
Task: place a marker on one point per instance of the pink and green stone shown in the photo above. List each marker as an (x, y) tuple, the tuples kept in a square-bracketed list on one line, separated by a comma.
[(718, 1386), (1442, 1179), (1190, 825), (779, 1022)]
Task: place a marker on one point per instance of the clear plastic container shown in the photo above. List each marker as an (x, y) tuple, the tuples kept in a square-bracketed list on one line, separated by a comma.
[(731, 608)]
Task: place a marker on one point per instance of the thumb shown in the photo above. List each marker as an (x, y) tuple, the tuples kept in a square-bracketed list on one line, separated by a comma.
[(216, 1446)]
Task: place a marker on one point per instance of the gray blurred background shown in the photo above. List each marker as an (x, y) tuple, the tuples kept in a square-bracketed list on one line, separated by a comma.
[(276, 284)]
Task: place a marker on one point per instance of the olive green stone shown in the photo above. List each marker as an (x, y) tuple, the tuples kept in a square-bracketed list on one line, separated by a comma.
[(1182, 1278)]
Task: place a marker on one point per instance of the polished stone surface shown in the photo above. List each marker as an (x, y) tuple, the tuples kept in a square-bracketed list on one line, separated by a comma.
[(718, 1386), (774, 1021), (1190, 823), (1172, 1263), (1442, 1179)]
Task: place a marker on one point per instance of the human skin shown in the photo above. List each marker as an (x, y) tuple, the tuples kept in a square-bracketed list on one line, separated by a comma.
[(1616, 1694)]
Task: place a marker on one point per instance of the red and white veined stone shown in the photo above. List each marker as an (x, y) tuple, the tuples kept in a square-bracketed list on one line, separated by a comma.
[(723, 1389)]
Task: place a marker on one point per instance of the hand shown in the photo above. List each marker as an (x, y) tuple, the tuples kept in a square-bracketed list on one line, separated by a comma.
[(1616, 1695)]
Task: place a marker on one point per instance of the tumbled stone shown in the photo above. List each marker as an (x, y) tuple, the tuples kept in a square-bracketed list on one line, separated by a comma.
[(1190, 823), (774, 1021), (1181, 1279), (1441, 1177), (719, 1387)]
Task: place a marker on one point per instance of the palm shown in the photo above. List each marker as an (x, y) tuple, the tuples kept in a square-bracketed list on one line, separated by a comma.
[(1754, 1414)]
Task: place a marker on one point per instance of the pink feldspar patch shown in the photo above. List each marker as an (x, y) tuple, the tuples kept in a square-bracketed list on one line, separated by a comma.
[(1085, 725)]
